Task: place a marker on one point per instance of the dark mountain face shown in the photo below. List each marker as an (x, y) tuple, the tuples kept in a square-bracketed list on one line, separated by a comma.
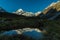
[(52, 14), (53, 11)]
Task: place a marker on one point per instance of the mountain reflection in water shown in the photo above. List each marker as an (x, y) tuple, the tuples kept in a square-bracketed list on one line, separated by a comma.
[(34, 34)]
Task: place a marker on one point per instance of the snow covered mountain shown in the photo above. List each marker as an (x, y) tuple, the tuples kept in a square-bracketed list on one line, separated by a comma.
[(28, 14), (21, 12)]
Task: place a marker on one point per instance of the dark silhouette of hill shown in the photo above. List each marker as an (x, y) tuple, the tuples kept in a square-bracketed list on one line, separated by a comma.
[(10, 21)]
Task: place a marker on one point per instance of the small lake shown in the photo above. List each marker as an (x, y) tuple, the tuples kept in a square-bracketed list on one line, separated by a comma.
[(34, 34)]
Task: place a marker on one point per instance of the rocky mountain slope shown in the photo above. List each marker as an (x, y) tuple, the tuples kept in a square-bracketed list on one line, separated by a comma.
[(52, 11)]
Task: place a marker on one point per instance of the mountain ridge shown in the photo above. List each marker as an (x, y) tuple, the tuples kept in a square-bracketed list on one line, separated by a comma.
[(49, 12)]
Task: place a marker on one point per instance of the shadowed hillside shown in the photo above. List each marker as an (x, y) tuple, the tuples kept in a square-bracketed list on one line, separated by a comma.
[(9, 21)]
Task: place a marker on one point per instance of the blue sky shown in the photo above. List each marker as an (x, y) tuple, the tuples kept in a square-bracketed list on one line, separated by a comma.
[(26, 5)]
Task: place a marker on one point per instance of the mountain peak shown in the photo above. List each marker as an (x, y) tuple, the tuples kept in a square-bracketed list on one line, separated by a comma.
[(19, 10)]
